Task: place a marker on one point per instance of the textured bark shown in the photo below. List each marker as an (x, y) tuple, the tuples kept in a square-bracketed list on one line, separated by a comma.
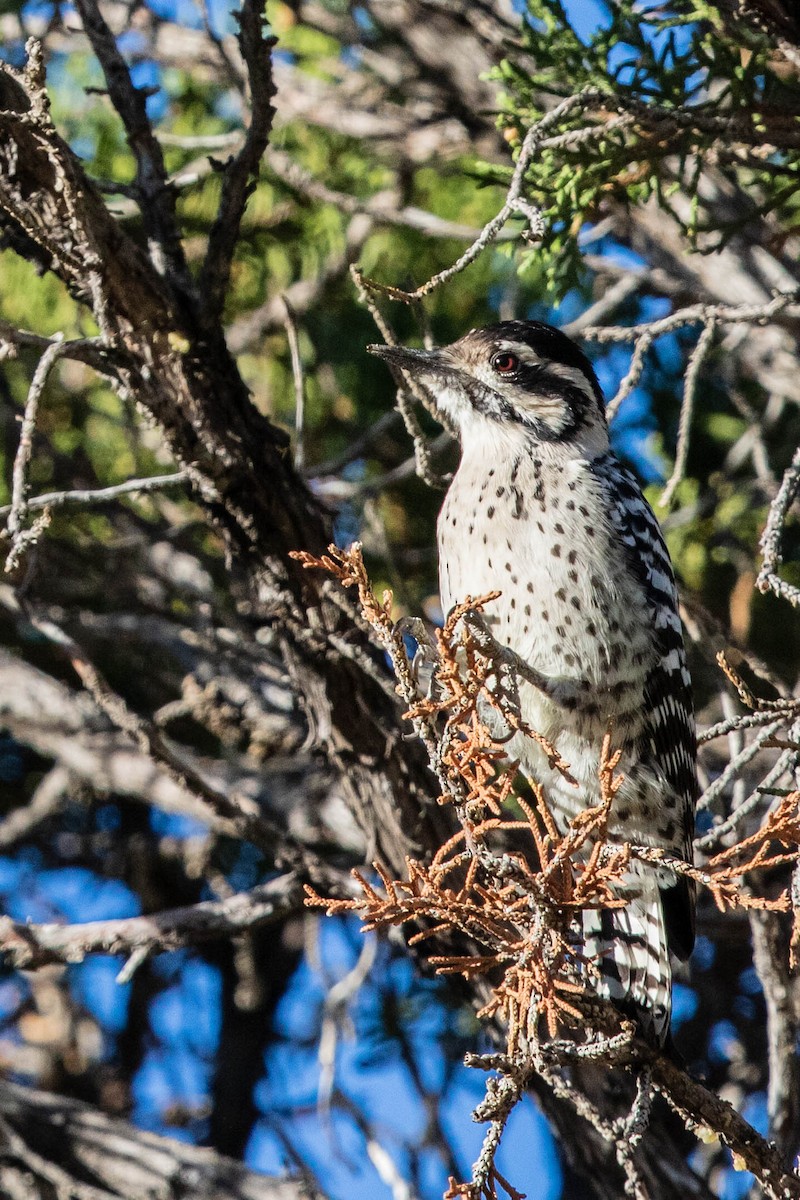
[(49, 1144)]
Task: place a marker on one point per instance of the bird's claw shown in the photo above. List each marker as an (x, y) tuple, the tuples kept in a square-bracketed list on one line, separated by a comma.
[(426, 656)]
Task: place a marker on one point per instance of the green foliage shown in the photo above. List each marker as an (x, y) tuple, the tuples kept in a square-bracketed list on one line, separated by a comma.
[(693, 96), (30, 300)]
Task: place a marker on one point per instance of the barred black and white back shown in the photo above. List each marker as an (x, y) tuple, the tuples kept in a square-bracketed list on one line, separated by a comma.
[(541, 509), (632, 945)]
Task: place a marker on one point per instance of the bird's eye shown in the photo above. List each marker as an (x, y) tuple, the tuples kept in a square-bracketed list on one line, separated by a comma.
[(505, 363)]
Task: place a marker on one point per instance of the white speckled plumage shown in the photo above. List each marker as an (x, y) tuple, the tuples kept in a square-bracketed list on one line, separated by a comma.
[(541, 509)]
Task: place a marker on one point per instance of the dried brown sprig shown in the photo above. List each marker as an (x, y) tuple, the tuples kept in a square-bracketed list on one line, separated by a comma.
[(776, 843), (515, 907), (513, 887)]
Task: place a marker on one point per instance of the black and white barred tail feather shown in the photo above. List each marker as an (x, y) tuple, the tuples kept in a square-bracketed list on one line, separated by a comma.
[(626, 955)]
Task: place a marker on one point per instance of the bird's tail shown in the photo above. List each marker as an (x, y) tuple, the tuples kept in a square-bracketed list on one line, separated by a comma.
[(628, 953)]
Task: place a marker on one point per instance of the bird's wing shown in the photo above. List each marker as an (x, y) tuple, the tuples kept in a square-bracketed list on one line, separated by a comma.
[(668, 739)]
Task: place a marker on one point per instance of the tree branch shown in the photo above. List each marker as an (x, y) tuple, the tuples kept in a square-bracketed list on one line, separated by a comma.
[(156, 199), (28, 946), (238, 469), (90, 496), (240, 171), (770, 958), (84, 1145)]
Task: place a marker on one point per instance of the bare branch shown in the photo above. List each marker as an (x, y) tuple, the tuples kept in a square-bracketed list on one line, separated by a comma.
[(772, 537), (643, 336), (92, 351), (695, 364), (156, 199), (338, 998), (710, 1116), (515, 204), (16, 514), (47, 799), (290, 323), (240, 172), (91, 496), (28, 945)]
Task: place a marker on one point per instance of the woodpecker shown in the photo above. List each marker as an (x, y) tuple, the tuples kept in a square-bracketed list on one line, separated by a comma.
[(542, 510)]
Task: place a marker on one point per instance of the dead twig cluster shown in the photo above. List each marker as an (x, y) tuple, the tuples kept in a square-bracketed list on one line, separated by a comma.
[(503, 894), (518, 918)]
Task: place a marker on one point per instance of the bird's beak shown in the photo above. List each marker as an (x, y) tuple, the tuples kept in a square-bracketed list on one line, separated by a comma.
[(425, 365), (406, 359), (438, 371)]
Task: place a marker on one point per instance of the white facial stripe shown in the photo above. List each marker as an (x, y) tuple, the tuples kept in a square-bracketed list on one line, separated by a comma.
[(572, 375), (521, 351), (452, 401)]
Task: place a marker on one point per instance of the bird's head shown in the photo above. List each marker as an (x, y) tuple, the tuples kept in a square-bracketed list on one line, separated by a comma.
[(521, 376)]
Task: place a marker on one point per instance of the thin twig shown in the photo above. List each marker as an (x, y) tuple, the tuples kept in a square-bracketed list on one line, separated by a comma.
[(50, 794), (772, 537), (698, 314), (93, 351), (290, 325), (202, 141), (514, 205), (644, 335), (687, 409), (19, 479), (338, 998), (731, 772), (408, 388), (633, 374), (741, 721), (90, 496), (241, 170)]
